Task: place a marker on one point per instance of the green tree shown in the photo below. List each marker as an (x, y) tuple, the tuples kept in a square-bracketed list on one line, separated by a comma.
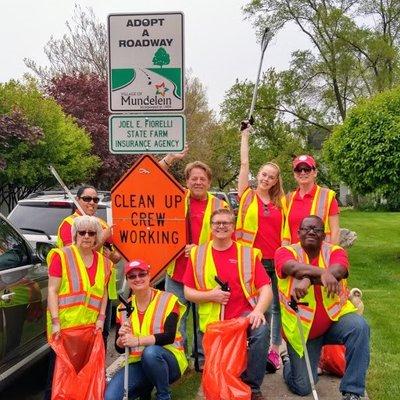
[(364, 152), (161, 57), (35, 133)]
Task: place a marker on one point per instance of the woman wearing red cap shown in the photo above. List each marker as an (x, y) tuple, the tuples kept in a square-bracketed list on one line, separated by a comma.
[(156, 356), (310, 199), (260, 224)]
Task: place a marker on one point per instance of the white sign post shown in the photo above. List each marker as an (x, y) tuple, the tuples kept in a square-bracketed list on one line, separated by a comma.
[(131, 134), (146, 62)]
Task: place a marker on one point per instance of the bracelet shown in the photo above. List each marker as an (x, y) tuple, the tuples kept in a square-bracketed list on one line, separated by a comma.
[(55, 320), (101, 317), (165, 161)]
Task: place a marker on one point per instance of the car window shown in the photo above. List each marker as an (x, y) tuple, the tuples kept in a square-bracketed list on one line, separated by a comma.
[(46, 219), (13, 250)]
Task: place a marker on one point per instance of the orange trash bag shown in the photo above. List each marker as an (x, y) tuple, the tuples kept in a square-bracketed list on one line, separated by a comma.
[(79, 372), (333, 359), (225, 350)]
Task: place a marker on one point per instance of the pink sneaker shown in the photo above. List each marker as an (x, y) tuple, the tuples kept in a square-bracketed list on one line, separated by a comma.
[(273, 362)]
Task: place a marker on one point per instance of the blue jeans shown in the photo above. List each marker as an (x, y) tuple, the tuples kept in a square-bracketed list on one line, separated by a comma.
[(274, 312), (158, 368), (351, 330), (257, 350), (176, 288)]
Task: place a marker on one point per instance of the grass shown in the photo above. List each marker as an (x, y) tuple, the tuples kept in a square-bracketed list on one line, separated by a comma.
[(375, 268)]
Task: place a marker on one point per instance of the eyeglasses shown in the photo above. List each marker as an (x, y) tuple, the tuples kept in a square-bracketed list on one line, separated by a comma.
[(138, 275), (306, 170), (312, 228), (89, 233), (221, 223), (88, 199)]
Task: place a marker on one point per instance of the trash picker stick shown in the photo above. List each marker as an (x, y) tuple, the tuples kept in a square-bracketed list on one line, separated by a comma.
[(264, 43), (128, 311), (64, 186), (294, 305)]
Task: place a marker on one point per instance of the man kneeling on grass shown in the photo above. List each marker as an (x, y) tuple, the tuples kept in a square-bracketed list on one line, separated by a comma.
[(313, 271), (250, 291)]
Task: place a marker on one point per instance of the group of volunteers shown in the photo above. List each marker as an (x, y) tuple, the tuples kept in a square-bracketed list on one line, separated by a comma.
[(281, 249)]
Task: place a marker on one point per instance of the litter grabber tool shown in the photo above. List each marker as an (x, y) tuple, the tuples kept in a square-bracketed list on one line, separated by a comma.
[(225, 288), (264, 43), (128, 311), (294, 305), (64, 186)]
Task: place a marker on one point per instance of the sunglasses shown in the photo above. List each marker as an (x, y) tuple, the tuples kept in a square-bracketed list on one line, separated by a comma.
[(138, 275), (312, 228), (89, 233), (307, 170), (221, 223), (88, 199)]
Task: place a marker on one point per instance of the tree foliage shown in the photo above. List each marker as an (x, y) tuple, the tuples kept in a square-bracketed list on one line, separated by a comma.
[(353, 54), (84, 97), (82, 49), (364, 152), (35, 133)]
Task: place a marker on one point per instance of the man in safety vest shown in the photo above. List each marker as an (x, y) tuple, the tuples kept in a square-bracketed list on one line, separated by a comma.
[(199, 205), (240, 268), (315, 271)]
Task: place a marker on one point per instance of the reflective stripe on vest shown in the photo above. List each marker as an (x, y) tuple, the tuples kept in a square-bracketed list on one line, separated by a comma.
[(305, 313), (73, 271), (247, 272), (320, 206), (242, 234)]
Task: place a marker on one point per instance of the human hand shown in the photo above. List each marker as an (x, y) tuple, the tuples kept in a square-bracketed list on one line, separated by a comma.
[(330, 283), (181, 155), (219, 296), (99, 325), (246, 126), (124, 329), (256, 319), (128, 340), (300, 288), (188, 248), (56, 330)]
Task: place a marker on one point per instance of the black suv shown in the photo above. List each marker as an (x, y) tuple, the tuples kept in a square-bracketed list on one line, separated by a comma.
[(23, 294)]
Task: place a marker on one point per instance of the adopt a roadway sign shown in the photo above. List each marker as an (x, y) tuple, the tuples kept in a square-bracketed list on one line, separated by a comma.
[(140, 134), (146, 62)]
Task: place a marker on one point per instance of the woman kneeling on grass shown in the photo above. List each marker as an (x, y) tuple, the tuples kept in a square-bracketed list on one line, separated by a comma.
[(156, 356)]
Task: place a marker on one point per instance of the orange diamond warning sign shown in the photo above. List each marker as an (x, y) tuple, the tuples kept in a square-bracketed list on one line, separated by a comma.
[(149, 215)]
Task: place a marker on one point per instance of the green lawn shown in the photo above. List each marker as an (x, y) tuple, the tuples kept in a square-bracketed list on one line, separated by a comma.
[(375, 268)]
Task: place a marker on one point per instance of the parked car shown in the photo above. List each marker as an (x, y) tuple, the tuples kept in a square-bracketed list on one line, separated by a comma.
[(23, 294), (229, 198)]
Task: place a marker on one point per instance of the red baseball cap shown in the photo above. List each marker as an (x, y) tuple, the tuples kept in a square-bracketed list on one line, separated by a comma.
[(136, 264), (304, 159)]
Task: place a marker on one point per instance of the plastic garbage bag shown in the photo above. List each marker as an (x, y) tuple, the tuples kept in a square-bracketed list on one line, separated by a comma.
[(225, 350), (79, 372), (333, 359)]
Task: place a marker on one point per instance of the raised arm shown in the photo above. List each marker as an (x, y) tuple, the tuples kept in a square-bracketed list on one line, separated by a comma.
[(166, 162)]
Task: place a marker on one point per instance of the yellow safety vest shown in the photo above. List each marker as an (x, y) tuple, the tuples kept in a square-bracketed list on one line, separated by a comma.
[(320, 206), (204, 272), (154, 318), (247, 220), (335, 307), (213, 203), (112, 284), (78, 302)]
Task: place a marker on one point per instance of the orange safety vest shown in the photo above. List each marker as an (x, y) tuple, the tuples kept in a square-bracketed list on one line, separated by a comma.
[(79, 303), (204, 272), (247, 221), (335, 307), (153, 322), (213, 203), (320, 206), (112, 284)]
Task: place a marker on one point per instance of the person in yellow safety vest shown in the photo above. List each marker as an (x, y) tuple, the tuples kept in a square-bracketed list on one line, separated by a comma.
[(250, 291), (260, 223), (156, 354), (88, 199), (199, 205), (314, 272), (310, 199)]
